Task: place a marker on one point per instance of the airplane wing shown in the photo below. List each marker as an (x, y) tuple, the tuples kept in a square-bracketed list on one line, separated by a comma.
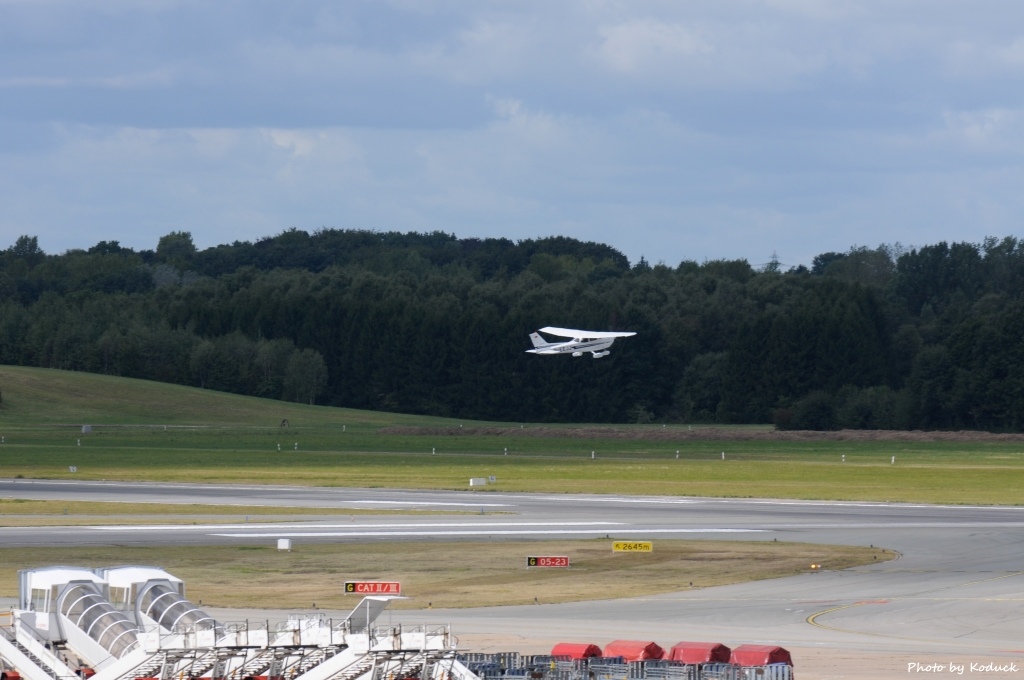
[(589, 335)]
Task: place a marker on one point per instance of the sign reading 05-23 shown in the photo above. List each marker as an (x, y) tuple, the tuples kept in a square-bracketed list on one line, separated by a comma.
[(373, 587), (547, 561)]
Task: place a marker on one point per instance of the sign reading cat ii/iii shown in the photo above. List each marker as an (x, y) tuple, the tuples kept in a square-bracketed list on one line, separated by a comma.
[(632, 546), (373, 587)]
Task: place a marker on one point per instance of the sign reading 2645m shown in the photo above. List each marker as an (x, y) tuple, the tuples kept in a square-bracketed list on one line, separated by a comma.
[(632, 546)]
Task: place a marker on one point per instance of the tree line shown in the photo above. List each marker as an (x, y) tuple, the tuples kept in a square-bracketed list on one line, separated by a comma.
[(883, 338)]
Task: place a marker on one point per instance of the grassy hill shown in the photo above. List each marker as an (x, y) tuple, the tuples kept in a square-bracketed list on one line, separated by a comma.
[(159, 432), (39, 396)]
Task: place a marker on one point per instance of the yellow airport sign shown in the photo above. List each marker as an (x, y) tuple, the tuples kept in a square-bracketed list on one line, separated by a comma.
[(632, 546)]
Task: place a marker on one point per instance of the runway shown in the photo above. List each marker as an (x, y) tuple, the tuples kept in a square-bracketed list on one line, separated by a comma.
[(956, 592)]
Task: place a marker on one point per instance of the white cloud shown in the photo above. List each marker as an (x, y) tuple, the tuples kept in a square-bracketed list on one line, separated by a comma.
[(979, 55), (1013, 53), (997, 131), (707, 128), (827, 10), (715, 55), (297, 143), (641, 45), (540, 132), (124, 81)]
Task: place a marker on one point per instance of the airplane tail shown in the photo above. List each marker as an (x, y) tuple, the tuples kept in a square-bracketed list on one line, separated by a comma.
[(537, 340)]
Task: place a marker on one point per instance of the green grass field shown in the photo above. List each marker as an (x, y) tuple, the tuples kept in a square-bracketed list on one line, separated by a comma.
[(152, 431)]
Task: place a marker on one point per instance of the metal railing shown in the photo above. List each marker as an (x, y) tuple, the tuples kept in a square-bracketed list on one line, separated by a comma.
[(514, 666)]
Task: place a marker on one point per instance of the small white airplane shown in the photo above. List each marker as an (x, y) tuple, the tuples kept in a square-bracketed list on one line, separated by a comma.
[(595, 342)]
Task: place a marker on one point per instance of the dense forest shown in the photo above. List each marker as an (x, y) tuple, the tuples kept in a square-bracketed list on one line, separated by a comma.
[(885, 338)]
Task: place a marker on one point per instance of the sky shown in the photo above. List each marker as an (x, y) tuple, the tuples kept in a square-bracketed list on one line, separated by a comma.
[(669, 129)]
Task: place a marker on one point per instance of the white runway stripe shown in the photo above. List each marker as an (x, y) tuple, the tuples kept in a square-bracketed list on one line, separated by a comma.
[(431, 503), (416, 525), (475, 532)]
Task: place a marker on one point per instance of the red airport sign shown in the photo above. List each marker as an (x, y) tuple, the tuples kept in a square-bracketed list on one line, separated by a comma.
[(373, 587), (549, 561)]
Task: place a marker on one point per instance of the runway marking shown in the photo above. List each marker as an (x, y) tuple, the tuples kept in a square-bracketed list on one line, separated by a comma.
[(288, 525), (518, 498), (904, 525), (812, 619), (961, 585), (625, 499), (286, 504), (524, 532), (244, 487), (453, 504), (771, 501)]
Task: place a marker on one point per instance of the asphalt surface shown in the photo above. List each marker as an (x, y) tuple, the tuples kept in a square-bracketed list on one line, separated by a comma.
[(957, 591)]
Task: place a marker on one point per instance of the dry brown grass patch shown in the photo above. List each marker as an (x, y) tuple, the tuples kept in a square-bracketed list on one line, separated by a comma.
[(460, 574)]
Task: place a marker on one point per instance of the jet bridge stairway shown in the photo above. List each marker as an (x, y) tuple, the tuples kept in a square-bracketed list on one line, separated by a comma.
[(309, 659), (184, 663), (194, 664), (400, 666), (373, 665), (152, 667), (134, 623), (28, 665), (28, 662), (334, 662), (423, 664), (343, 664), (285, 663), (257, 665)]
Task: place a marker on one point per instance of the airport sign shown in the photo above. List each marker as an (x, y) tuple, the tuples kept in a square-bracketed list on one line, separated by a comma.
[(547, 561), (373, 587), (632, 546)]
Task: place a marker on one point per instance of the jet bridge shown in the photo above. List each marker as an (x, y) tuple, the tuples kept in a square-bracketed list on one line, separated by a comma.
[(67, 608), (153, 596), (130, 623), (83, 606)]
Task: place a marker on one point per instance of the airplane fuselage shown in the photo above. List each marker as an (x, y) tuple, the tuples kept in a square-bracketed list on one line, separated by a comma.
[(595, 342), (573, 347)]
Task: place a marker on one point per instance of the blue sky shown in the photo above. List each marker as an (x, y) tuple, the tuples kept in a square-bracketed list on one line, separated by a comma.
[(697, 129)]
